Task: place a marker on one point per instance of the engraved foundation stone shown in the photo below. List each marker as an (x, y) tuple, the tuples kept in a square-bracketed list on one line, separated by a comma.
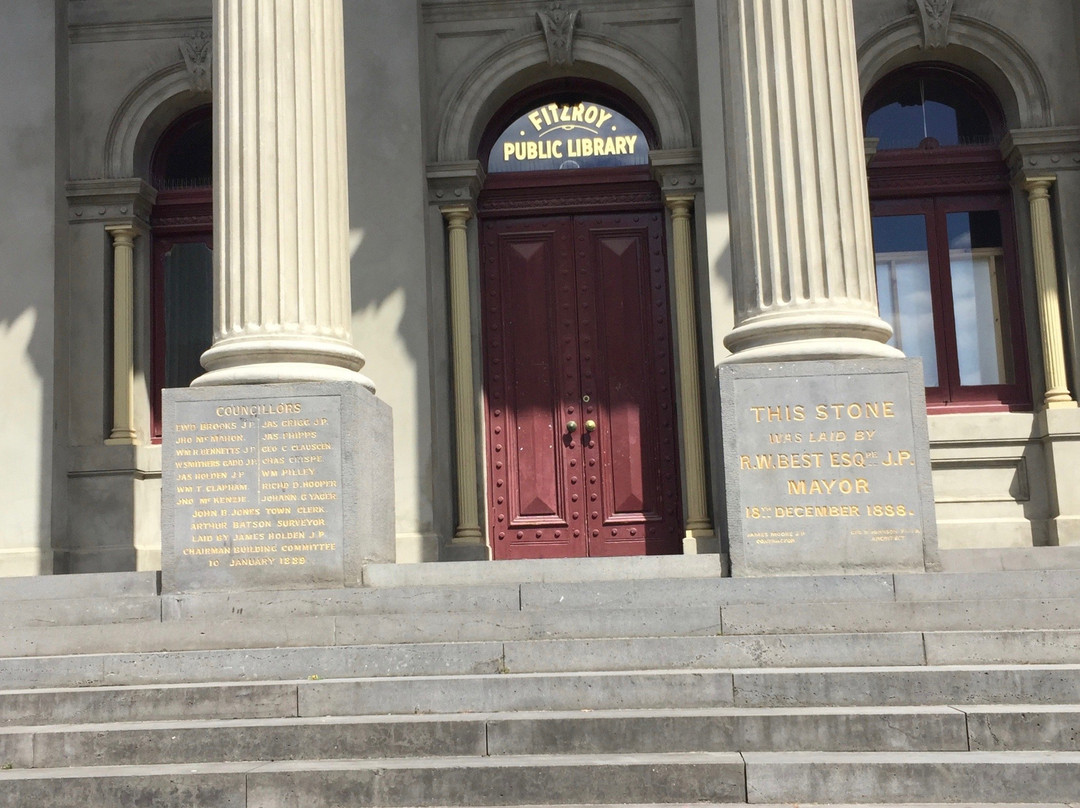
[(274, 486), (827, 467)]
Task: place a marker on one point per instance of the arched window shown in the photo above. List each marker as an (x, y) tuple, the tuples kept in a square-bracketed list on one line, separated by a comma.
[(944, 242), (182, 235)]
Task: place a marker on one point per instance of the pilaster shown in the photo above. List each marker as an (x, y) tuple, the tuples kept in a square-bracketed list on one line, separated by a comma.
[(123, 207), (680, 178), (453, 188)]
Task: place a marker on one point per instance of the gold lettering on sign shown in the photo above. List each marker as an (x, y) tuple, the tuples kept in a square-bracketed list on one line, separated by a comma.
[(830, 470), (242, 475)]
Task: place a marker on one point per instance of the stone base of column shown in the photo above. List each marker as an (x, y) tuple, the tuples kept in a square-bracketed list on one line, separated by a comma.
[(275, 486), (465, 550), (810, 335), (281, 360), (1064, 403), (700, 542), (827, 468)]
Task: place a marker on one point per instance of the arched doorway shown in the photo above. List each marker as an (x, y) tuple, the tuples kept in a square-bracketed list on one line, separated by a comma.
[(580, 421)]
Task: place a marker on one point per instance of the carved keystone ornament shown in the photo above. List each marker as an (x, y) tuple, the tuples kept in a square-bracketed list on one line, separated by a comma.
[(558, 25)]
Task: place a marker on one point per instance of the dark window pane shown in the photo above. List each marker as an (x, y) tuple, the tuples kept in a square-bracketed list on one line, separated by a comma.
[(187, 159), (937, 108), (189, 322), (903, 283), (980, 305)]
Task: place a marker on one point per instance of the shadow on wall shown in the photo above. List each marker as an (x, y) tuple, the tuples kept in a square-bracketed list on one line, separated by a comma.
[(395, 306)]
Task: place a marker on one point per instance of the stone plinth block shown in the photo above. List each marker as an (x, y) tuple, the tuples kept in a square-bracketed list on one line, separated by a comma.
[(274, 486), (827, 467)]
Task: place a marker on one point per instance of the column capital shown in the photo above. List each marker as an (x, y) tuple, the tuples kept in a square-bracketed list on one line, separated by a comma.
[(117, 202), (680, 204), (457, 214), (455, 183), (1042, 151), (1037, 186), (677, 171), (129, 231)]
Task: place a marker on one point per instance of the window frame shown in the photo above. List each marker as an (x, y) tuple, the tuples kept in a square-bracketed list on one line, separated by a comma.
[(936, 181)]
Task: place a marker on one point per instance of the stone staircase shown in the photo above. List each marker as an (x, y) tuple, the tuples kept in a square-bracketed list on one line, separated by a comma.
[(615, 682)]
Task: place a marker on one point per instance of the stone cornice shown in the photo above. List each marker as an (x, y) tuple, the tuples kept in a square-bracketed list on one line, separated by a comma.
[(110, 201), (677, 170), (455, 183), (85, 33), (1040, 151)]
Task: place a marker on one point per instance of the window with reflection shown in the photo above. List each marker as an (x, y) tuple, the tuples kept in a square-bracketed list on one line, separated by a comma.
[(182, 236), (944, 245)]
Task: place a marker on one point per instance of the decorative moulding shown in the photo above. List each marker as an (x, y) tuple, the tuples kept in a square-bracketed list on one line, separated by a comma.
[(934, 16), (677, 170), (1046, 149), (113, 201), (197, 50), (455, 183), (558, 25)]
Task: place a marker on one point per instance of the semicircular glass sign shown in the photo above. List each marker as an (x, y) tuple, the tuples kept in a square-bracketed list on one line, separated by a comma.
[(560, 135)]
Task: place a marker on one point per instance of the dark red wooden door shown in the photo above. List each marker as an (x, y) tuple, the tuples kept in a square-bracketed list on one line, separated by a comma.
[(576, 327)]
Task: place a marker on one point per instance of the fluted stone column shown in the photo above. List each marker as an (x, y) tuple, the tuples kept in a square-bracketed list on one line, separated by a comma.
[(1053, 345), (804, 280), (123, 420), (282, 299), (468, 520)]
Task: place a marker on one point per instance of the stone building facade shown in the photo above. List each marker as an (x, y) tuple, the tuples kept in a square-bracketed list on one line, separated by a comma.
[(780, 157)]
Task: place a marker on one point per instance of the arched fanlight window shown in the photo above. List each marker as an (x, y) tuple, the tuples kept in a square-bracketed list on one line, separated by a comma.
[(943, 236), (182, 236)]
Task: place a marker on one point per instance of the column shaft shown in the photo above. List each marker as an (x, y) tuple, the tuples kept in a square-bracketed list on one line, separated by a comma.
[(123, 422), (468, 522), (805, 283), (693, 441), (1053, 346), (283, 308)]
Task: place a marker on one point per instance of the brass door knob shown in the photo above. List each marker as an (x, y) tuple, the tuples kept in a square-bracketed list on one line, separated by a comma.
[(571, 426), (590, 425)]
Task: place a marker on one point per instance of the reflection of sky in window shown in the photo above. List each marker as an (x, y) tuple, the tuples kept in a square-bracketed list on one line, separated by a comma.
[(939, 108), (901, 126), (973, 286), (903, 281)]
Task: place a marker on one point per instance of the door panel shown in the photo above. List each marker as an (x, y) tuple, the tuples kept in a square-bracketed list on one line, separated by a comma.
[(634, 500), (576, 330), (530, 368)]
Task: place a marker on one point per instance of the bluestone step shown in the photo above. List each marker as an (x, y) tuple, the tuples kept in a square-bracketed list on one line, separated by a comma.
[(266, 605), (91, 585), (83, 705), (808, 650), (427, 659), (79, 611), (878, 616), (995, 728), (252, 664), (236, 633), (1018, 584), (457, 781), (550, 570), (830, 777), (526, 733), (706, 594), (949, 684), (1002, 647)]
